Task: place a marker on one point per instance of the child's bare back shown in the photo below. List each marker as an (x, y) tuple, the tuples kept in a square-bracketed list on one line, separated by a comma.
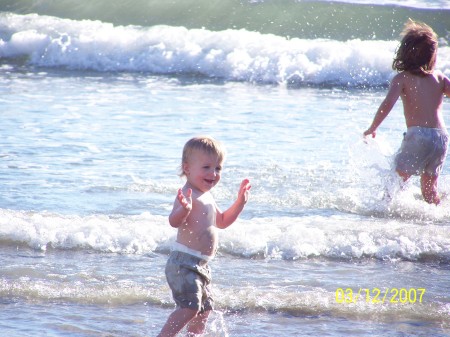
[(422, 98)]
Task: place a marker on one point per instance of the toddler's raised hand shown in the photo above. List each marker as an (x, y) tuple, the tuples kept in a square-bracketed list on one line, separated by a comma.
[(243, 193), (185, 201)]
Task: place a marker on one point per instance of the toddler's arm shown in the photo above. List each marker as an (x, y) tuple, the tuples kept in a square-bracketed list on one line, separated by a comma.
[(181, 208), (226, 218)]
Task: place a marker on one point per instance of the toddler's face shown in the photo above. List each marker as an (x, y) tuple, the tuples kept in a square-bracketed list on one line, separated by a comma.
[(203, 170)]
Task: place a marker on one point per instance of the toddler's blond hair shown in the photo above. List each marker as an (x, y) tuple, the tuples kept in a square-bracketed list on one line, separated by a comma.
[(203, 143)]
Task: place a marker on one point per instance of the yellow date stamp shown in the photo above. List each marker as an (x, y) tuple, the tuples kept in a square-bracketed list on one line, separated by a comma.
[(380, 296)]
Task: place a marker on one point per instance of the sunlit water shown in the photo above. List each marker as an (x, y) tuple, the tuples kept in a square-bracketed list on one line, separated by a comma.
[(89, 170), (94, 118)]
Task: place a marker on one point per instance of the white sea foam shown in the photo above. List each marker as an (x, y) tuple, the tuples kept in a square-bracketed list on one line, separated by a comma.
[(276, 238), (43, 230), (440, 4), (236, 55)]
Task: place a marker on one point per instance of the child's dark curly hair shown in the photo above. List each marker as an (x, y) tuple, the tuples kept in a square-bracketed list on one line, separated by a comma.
[(417, 50)]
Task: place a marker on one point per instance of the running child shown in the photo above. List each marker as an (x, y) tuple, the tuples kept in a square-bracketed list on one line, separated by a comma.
[(422, 89)]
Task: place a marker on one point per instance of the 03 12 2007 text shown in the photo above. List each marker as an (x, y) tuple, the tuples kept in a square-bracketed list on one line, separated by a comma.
[(380, 296)]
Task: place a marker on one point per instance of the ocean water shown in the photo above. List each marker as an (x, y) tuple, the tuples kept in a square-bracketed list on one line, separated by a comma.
[(97, 100)]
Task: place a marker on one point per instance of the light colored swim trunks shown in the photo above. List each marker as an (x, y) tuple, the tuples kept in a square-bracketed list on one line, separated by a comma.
[(189, 278), (422, 150)]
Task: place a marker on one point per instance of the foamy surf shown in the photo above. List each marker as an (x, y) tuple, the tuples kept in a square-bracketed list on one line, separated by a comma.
[(232, 55), (286, 238)]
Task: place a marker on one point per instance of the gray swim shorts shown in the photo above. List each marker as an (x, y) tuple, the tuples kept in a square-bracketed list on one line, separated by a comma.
[(423, 150), (189, 278)]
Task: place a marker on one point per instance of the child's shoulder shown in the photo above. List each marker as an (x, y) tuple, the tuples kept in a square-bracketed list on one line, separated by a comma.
[(401, 78), (406, 77), (440, 75), (444, 81)]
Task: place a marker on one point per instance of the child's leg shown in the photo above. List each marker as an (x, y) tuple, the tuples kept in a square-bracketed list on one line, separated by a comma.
[(403, 175), (196, 326), (428, 184), (393, 183), (177, 321)]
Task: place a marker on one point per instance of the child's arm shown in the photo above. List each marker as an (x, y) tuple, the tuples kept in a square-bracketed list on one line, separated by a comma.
[(181, 208), (225, 219), (386, 106), (446, 85)]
